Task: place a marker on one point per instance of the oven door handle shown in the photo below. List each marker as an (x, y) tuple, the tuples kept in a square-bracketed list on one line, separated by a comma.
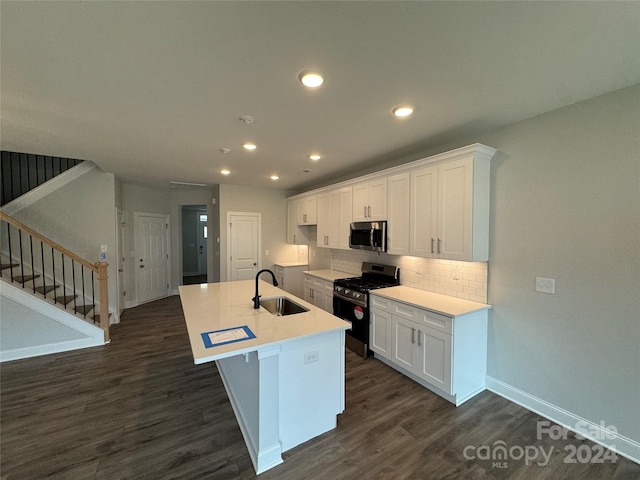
[(371, 238)]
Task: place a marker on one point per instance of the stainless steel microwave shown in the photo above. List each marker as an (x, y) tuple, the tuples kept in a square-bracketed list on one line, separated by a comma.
[(369, 236)]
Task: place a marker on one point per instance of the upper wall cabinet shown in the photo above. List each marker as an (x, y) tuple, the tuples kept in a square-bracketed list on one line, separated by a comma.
[(450, 210), (295, 233), (398, 214), (435, 207), (307, 210), (334, 218), (370, 200)]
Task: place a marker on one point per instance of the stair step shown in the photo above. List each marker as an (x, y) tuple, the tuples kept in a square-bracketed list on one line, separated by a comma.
[(96, 317), (46, 289), (9, 265), (65, 299), (24, 278), (84, 309)]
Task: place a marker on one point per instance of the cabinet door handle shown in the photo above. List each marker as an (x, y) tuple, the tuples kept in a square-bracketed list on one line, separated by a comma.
[(294, 238), (439, 242), (369, 211), (419, 335), (413, 335), (432, 249)]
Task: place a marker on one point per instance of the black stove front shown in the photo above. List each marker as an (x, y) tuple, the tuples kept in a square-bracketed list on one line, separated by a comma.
[(351, 301)]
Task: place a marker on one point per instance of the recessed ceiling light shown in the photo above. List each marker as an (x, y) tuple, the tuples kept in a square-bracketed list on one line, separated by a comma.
[(402, 110), (249, 146), (311, 79), (224, 150), (247, 119), (314, 157), (275, 177), (224, 171)]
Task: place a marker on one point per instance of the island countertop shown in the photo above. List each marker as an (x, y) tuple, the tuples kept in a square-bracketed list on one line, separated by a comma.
[(218, 306)]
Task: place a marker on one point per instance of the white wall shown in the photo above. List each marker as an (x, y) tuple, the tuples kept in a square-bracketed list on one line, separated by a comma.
[(167, 201), (272, 204), (565, 204), (80, 216)]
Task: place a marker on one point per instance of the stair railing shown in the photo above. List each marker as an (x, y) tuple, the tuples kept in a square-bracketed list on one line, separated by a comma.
[(34, 256)]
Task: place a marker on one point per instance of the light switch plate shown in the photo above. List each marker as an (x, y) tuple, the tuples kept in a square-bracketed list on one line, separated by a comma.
[(545, 285)]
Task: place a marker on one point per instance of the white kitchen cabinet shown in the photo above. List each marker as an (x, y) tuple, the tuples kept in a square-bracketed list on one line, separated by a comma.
[(380, 327), (319, 292), (398, 214), (307, 210), (290, 277), (445, 354), (370, 200), (296, 234), (334, 218), (449, 215)]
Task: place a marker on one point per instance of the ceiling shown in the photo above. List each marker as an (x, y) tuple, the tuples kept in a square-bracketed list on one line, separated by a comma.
[(151, 91)]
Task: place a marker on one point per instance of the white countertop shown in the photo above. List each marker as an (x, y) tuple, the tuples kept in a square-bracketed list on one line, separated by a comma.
[(330, 275), (436, 302), (216, 306), (291, 264)]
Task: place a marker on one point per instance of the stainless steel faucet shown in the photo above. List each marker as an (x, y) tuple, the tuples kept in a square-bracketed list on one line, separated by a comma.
[(256, 299)]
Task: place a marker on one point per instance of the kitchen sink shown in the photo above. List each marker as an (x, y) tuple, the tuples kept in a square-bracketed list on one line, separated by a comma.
[(281, 306)]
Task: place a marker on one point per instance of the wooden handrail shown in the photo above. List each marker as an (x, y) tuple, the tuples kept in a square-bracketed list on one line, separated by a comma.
[(6, 218), (99, 267)]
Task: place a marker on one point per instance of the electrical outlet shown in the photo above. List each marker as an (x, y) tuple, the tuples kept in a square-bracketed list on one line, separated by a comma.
[(311, 357), (455, 274), (266, 253), (545, 285)]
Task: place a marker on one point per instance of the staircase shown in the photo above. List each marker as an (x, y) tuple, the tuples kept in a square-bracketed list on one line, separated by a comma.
[(49, 271)]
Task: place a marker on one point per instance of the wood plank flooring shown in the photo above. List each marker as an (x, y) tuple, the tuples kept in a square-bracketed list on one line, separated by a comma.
[(140, 409)]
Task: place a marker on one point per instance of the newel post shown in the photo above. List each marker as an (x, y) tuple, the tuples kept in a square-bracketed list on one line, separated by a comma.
[(103, 289)]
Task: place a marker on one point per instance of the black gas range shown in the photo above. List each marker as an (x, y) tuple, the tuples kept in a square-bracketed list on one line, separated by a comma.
[(351, 301)]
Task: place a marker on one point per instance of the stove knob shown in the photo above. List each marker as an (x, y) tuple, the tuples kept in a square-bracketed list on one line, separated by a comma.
[(346, 292), (338, 289), (357, 295)]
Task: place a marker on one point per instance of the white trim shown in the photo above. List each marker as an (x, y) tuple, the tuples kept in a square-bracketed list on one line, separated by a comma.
[(47, 187), (620, 444)]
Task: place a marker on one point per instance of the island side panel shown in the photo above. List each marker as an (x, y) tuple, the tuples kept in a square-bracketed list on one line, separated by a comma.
[(311, 387), (245, 377)]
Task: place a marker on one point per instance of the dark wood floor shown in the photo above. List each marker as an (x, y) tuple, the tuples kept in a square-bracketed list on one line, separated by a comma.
[(140, 409)]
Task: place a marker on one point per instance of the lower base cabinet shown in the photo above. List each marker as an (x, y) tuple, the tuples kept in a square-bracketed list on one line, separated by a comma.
[(319, 292), (445, 354)]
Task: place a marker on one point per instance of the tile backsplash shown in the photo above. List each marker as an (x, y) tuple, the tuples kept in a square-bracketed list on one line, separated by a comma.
[(466, 280)]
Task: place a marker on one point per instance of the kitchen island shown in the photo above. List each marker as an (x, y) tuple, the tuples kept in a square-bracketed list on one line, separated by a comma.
[(284, 374)]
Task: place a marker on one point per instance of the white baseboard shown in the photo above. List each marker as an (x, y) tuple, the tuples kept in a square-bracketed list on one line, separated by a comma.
[(597, 433)]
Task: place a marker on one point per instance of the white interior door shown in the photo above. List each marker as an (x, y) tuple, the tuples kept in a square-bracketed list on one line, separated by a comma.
[(243, 245), (152, 262), (202, 242)]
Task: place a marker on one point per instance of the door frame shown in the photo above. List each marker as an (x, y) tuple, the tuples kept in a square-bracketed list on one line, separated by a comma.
[(167, 236), (120, 262), (258, 215)]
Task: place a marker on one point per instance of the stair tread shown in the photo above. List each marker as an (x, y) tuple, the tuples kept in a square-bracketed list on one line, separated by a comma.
[(84, 309), (47, 288), (96, 317), (24, 278), (65, 299), (9, 265)]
